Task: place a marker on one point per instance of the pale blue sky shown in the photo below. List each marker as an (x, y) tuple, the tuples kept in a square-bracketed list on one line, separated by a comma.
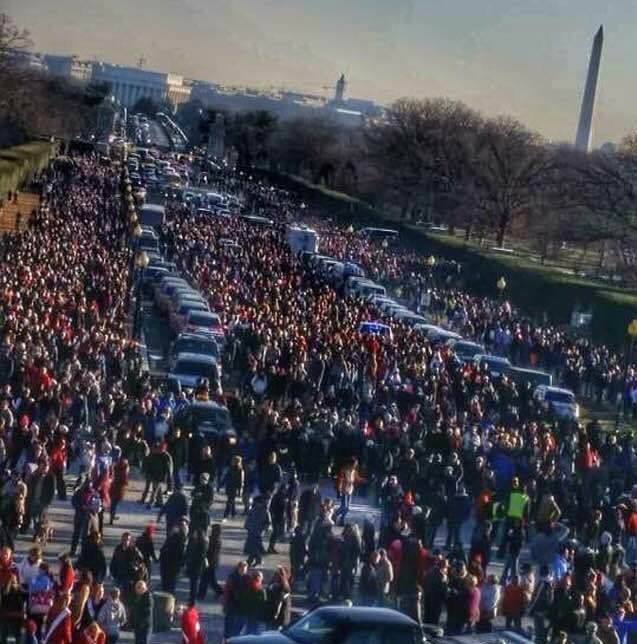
[(526, 58)]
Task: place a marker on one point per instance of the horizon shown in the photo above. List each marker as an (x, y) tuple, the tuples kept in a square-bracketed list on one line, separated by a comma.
[(515, 58)]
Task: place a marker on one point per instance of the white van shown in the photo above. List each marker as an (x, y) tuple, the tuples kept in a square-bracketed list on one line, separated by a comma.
[(301, 238), (361, 287)]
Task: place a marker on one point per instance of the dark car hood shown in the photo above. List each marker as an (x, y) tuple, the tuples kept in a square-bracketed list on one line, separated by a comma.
[(269, 637)]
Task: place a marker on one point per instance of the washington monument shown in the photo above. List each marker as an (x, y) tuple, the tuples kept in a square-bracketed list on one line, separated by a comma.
[(584, 136)]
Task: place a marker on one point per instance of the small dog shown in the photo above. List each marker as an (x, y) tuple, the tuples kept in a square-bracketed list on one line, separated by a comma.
[(43, 532)]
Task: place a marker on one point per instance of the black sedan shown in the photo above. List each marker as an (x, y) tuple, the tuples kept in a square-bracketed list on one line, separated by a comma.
[(344, 625)]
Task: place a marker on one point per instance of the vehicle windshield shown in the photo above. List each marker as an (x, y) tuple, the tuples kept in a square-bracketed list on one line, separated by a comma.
[(193, 305), (197, 346), (466, 347), (312, 629), (560, 397), (496, 362), (211, 321), (218, 417), (195, 368)]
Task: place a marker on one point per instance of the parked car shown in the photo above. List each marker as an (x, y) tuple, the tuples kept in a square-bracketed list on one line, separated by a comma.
[(192, 343), (179, 314), (204, 322), (209, 418), (409, 317), (342, 625), (557, 401), (496, 365), (362, 287), (465, 349), (190, 368), (532, 376), (165, 287)]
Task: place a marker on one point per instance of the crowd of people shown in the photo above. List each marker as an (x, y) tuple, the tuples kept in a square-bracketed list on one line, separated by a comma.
[(466, 469)]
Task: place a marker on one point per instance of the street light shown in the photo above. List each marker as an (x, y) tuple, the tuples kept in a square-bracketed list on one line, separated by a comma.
[(501, 284)]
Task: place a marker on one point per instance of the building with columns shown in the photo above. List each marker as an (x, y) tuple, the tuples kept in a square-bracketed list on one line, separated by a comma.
[(70, 67), (129, 84)]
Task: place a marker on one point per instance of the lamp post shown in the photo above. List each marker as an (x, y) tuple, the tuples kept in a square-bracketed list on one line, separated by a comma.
[(141, 262), (501, 284)]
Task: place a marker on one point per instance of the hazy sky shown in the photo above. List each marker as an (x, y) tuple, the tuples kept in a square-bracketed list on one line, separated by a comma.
[(527, 58)]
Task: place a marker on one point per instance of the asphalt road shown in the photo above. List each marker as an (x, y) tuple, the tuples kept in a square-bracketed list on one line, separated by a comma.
[(158, 136)]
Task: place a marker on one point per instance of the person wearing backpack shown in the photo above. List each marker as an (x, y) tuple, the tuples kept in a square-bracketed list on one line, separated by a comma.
[(540, 604)]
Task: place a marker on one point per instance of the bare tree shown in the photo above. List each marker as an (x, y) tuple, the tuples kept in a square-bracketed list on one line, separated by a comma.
[(304, 145), (508, 173), (422, 149)]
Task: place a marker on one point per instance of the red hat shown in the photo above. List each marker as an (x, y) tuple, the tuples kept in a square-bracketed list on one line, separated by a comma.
[(32, 627)]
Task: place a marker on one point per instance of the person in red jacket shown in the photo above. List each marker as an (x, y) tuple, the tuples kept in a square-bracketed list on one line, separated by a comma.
[(92, 634), (57, 459), (7, 565), (513, 603), (119, 484), (66, 574), (58, 625), (191, 632)]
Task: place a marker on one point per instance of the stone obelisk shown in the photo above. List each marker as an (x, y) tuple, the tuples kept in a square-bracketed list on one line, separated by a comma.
[(584, 136)]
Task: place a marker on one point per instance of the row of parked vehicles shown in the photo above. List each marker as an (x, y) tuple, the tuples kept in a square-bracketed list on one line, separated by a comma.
[(148, 172), (194, 355), (350, 279)]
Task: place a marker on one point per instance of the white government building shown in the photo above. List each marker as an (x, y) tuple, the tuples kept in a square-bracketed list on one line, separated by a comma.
[(129, 84)]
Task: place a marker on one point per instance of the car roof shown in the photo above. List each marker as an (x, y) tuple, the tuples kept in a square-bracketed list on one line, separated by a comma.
[(193, 304), (365, 615), (209, 314), (488, 356), (557, 390), (206, 404), (196, 336), (196, 357)]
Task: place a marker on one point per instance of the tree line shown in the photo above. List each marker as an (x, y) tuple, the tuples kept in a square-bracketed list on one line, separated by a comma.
[(34, 103), (439, 160)]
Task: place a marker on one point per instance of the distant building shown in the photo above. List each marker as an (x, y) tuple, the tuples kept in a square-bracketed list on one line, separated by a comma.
[(28, 60), (287, 104), (129, 84), (70, 67)]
